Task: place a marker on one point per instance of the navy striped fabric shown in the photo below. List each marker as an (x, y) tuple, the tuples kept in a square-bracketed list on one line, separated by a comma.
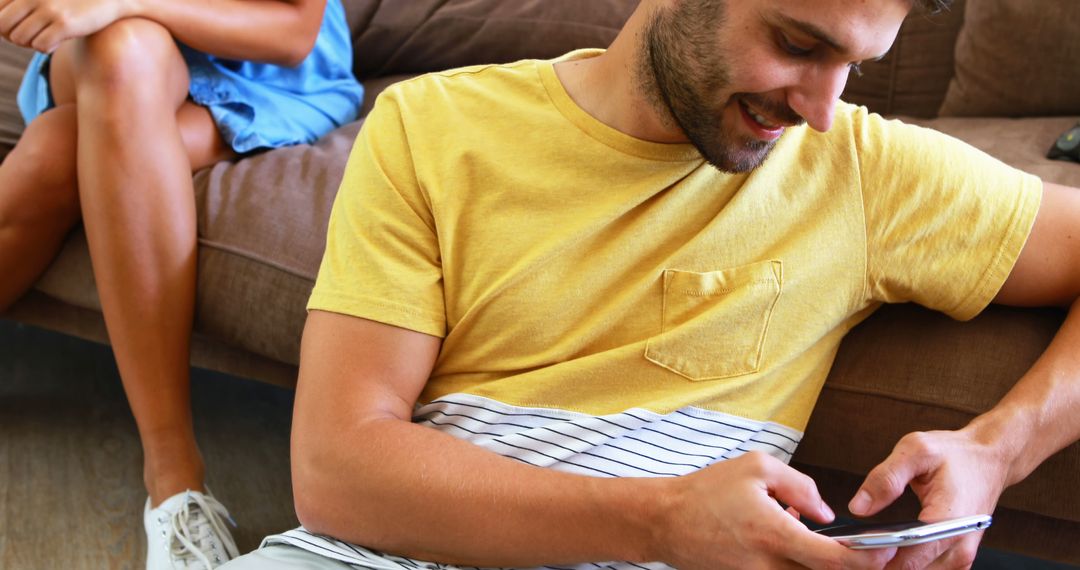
[(634, 443)]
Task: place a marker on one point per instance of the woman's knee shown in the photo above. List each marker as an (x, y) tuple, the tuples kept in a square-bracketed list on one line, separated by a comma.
[(130, 54)]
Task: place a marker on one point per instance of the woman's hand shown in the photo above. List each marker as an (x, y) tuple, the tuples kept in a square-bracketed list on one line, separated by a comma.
[(281, 32), (44, 24)]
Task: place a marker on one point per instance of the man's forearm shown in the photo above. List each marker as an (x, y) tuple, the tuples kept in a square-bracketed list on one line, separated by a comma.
[(414, 491), (364, 473), (1038, 416)]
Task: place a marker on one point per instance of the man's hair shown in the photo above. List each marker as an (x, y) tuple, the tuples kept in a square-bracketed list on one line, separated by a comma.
[(934, 6)]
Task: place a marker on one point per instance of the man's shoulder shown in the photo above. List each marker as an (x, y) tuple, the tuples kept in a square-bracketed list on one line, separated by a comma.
[(488, 81), (859, 132), (488, 98)]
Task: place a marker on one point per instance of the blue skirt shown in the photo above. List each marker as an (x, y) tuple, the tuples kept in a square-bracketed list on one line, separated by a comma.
[(255, 105)]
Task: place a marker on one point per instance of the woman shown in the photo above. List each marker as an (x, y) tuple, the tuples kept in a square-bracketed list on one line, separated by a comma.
[(125, 99)]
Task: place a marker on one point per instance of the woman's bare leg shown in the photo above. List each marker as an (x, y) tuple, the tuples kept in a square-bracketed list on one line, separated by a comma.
[(137, 201), (38, 201)]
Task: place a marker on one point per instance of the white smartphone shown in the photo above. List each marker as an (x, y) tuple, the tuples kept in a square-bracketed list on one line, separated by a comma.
[(878, 535)]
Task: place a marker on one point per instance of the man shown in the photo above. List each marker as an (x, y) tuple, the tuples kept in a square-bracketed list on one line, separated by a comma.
[(575, 312)]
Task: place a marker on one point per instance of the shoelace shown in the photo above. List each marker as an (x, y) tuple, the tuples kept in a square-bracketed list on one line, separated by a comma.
[(198, 527)]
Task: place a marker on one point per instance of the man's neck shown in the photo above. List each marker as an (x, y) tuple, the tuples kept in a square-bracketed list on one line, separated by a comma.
[(607, 87)]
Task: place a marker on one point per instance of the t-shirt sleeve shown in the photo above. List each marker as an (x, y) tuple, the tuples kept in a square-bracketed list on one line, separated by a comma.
[(945, 222), (382, 259)]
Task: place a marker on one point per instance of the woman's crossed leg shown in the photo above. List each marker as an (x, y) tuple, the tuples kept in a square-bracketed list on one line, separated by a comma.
[(117, 151)]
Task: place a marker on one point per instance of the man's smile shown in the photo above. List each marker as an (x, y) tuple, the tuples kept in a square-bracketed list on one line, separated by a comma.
[(760, 125)]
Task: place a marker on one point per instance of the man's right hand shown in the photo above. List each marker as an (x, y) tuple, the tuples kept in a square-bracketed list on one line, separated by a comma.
[(729, 515)]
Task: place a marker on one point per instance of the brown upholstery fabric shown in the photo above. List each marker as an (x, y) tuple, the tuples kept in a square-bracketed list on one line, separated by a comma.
[(373, 87), (913, 77), (358, 13), (417, 36), (1017, 58), (262, 230), (12, 63), (43, 311)]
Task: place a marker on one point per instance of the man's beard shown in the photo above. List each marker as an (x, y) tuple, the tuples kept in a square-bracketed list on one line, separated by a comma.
[(682, 61)]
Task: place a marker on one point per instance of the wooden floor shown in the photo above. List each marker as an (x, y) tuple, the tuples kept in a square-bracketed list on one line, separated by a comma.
[(71, 494)]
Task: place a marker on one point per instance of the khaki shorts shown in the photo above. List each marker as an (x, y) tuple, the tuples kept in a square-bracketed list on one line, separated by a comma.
[(285, 557)]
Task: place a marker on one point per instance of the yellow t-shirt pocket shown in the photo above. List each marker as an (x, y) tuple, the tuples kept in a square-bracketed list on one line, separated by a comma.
[(714, 323)]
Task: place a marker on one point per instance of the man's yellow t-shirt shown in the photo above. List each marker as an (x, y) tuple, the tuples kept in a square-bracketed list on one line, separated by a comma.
[(571, 267), (616, 307)]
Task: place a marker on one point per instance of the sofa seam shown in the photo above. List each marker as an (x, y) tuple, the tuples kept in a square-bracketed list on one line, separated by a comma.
[(412, 33), (901, 398), (253, 257), (894, 67)]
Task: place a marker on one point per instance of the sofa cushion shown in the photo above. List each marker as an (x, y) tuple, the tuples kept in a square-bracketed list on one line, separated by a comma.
[(13, 61), (417, 36), (1016, 58), (913, 77), (262, 230)]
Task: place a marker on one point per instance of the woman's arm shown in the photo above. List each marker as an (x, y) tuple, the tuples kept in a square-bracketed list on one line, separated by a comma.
[(273, 31)]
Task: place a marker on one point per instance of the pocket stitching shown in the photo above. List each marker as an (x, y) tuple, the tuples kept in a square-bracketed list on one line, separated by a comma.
[(778, 280)]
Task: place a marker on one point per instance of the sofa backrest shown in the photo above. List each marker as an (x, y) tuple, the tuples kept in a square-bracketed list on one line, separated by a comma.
[(13, 61), (392, 37), (913, 77), (935, 59)]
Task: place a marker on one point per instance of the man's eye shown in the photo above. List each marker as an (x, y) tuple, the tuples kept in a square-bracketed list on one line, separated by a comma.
[(792, 48)]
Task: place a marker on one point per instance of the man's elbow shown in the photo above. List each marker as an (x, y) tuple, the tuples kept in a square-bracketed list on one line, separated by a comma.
[(314, 495), (311, 512)]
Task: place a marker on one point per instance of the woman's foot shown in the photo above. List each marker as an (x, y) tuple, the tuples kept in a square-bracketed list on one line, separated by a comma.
[(188, 531)]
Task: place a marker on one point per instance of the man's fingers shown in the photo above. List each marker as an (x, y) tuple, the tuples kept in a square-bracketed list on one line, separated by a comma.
[(960, 555), (882, 486), (886, 482), (946, 554), (813, 550), (919, 556), (799, 492), (807, 549)]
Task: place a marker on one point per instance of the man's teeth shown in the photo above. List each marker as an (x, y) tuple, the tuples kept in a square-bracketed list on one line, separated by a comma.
[(762, 121)]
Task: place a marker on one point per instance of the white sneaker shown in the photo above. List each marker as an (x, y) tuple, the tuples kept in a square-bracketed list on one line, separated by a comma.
[(187, 532)]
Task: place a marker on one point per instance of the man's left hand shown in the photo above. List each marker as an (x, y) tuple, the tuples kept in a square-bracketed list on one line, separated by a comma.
[(953, 474)]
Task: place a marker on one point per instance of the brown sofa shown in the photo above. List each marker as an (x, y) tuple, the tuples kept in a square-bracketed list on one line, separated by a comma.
[(262, 222)]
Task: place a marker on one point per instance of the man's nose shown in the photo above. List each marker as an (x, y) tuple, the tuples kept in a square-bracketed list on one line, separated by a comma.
[(815, 97)]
